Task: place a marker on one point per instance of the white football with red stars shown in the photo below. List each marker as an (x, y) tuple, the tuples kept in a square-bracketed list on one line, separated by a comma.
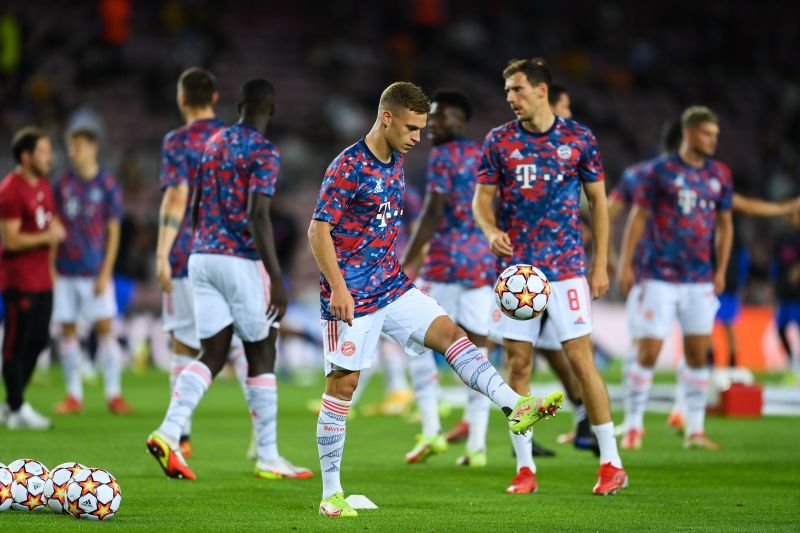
[(522, 292)]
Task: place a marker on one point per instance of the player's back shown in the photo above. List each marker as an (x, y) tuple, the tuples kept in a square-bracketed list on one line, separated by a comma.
[(458, 251), (237, 161)]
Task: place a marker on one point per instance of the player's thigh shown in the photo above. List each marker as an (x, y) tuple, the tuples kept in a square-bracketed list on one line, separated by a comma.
[(178, 313), (245, 288), (408, 319), (569, 308), (658, 309), (65, 300), (212, 313), (353, 347), (474, 306), (697, 308)]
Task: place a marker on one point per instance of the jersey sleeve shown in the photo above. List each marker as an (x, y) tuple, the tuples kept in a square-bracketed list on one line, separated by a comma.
[(114, 200), (645, 193), (622, 190), (339, 187), (174, 167), (264, 166), (590, 165), (10, 206), (439, 174), (490, 169), (726, 190)]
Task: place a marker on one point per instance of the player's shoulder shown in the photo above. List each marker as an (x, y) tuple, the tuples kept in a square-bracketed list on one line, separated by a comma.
[(176, 136), (9, 182), (349, 157), (571, 127), (719, 168), (503, 130)]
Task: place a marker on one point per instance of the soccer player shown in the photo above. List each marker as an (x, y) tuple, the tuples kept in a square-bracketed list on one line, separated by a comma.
[(457, 270), (681, 207), (88, 201), (537, 164), (232, 292), (364, 292), (30, 232), (559, 100), (786, 273), (180, 158)]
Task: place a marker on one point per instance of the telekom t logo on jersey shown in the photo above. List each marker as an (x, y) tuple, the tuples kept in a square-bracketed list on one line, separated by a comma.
[(527, 174), (687, 199), (384, 213)]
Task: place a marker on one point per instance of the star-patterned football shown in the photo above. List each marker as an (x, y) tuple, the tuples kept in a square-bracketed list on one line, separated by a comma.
[(522, 292), (93, 494), (55, 488), (27, 484), (5, 488)]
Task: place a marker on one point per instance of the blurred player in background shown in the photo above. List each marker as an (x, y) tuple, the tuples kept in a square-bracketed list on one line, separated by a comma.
[(88, 201), (457, 270), (30, 232), (786, 273), (538, 164), (364, 292), (682, 206), (232, 248), (180, 159)]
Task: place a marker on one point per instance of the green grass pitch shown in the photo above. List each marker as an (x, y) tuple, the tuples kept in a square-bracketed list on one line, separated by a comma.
[(753, 484)]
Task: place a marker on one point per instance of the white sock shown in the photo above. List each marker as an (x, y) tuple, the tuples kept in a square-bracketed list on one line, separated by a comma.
[(394, 360), (331, 432), (70, 350), (608, 444), (639, 380), (696, 380), (680, 390), (633, 354), (522, 450), (176, 365), (578, 413), (262, 399), (110, 358), (475, 370), (238, 360), (477, 414), (190, 387), (425, 380)]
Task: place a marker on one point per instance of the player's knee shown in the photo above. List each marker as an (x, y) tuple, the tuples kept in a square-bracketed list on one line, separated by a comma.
[(342, 385), (103, 327), (69, 331)]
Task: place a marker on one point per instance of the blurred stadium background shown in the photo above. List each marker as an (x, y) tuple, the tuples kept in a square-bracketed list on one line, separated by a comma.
[(629, 66)]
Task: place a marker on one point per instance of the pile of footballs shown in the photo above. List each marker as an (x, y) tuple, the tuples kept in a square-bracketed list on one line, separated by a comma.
[(89, 493)]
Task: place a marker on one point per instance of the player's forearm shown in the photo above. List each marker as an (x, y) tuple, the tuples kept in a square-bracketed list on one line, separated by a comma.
[(170, 217), (634, 228), (483, 209), (724, 241), (112, 248), (756, 207), (21, 241), (319, 237)]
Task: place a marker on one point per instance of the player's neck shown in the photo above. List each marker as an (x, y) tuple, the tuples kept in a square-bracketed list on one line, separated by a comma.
[(377, 144), (88, 171), (691, 157), (541, 121), (201, 113)]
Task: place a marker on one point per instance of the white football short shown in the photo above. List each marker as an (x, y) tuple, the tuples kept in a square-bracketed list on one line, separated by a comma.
[(405, 320), (178, 313), (633, 312), (548, 337), (74, 299), (693, 304), (569, 309), (230, 290), (468, 306)]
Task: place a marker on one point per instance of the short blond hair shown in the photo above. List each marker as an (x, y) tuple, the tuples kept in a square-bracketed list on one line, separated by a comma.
[(697, 114), (404, 95)]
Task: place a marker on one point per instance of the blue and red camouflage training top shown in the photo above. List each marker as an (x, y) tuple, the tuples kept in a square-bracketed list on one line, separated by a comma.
[(683, 202), (629, 181), (180, 159), (539, 177), (237, 161), (458, 251), (362, 198), (85, 207)]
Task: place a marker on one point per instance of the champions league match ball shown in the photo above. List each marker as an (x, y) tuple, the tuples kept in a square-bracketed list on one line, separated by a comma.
[(55, 488), (522, 292), (5, 488), (93, 494), (27, 485)]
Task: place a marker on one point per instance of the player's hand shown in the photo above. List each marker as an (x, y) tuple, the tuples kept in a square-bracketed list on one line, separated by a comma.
[(342, 305), (500, 243), (719, 282), (278, 300), (56, 231), (598, 282), (164, 274), (101, 284), (626, 279)]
